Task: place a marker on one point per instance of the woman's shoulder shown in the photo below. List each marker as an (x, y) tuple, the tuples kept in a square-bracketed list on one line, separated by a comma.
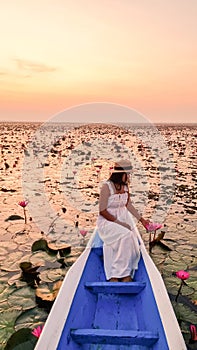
[(106, 185)]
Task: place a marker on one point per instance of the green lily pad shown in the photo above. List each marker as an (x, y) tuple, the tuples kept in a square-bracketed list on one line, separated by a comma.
[(184, 313), (45, 293), (172, 284), (63, 249), (14, 217), (3, 280), (5, 293), (21, 238), (11, 262), (175, 256), (44, 276), (14, 279), (9, 245), (39, 258), (173, 266), (23, 339), (3, 251), (7, 321), (31, 318), (24, 297), (27, 267), (55, 274), (41, 244)]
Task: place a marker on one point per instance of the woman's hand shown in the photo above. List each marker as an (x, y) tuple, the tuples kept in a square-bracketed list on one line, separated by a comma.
[(144, 222)]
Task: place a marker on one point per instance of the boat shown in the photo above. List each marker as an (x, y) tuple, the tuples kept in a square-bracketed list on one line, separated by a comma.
[(91, 313)]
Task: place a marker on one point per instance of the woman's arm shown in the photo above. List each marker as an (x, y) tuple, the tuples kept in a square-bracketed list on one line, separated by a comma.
[(135, 213), (103, 202)]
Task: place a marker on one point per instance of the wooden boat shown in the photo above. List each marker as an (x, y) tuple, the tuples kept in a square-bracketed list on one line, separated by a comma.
[(91, 313)]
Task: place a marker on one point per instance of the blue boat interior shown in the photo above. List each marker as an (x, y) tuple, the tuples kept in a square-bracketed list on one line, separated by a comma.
[(112, 315)]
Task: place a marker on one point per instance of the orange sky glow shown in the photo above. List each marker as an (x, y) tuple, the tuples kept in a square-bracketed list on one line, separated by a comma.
[(58, 54)]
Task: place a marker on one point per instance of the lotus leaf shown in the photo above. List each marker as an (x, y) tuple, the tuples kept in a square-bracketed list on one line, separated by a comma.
[(27, 267), (7, 321), (9, 245), (3, 252), (63, 248), (5, 293), (40, 257), (172, 284), (174, 266), (41, 244), (23, 339), (190, 260), (25, 297), (175, 256), (21, 238), (31, 318), (14, 279), (11, 263), (14, 217), (55, 274), (186, 252), (44, 276), (184, 313), (45, 293), (4, 306)]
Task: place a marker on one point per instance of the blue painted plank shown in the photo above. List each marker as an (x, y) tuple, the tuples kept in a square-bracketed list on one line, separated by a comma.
[(114, 337), (116, 287), (116, 311)]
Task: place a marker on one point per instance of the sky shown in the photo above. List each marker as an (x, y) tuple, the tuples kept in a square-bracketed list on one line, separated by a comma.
[(57, 54)]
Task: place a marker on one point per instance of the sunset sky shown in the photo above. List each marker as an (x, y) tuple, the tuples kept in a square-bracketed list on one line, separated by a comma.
[(57, 54)]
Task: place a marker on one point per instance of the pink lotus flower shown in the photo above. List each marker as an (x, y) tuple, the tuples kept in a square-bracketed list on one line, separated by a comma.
[(37, 331), (23, 204), (83, 232), (193, 332), (153, 226), (182, 275)]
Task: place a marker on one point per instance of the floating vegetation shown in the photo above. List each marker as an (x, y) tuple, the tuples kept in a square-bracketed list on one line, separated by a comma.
[(47, 293), (22, 339), (31, 261), (14, 217)]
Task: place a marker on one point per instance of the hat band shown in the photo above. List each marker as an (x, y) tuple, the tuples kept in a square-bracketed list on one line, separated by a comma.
[(122, 169)]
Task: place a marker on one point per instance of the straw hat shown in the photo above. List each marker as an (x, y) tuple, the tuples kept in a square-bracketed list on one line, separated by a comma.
[(122, 166)]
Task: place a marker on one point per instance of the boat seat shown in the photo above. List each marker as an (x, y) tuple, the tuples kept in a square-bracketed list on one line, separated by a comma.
[(115, 287), (114, 337)]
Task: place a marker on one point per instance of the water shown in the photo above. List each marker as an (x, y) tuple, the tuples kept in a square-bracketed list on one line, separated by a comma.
[(62, 167)]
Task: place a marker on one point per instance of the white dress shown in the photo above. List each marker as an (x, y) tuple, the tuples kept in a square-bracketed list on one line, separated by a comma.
[(120, 245)]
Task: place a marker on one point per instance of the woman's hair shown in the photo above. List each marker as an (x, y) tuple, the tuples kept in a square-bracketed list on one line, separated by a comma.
[(116, 178)]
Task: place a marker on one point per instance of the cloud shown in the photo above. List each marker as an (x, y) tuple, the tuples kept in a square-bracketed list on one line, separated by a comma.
[(34, 67)]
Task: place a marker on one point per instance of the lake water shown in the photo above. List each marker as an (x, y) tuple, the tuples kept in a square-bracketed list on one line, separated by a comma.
[(58, 169)]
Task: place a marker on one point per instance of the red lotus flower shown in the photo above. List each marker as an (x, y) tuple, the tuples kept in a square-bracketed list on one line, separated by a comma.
[(193, 332), (23, 204), (182, 275), (37, 331), (153, 226), (83, 232)]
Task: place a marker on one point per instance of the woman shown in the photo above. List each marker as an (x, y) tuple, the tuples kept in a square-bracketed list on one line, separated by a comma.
[(116, 227)]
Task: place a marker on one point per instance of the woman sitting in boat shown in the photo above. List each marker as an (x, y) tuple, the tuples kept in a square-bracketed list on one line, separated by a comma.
[(116, 226)]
